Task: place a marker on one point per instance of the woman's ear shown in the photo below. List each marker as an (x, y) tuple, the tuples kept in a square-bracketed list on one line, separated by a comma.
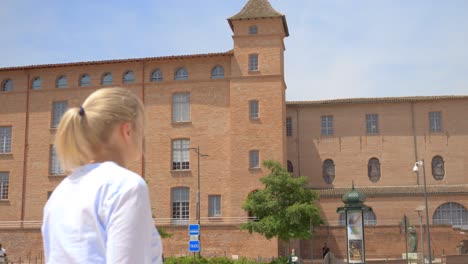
[(125, 130)]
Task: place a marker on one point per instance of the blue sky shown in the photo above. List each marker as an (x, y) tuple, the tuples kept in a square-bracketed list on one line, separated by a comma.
[(336, 48)]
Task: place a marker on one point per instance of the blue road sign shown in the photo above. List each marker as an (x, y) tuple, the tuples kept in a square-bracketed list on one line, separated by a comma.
[(194, 246), (194, 230)]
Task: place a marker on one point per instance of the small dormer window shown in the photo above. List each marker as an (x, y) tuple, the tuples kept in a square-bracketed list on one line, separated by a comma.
[(253, 30)]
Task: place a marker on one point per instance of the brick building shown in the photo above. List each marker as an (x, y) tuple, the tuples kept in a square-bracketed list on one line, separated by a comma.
[(232, 107)]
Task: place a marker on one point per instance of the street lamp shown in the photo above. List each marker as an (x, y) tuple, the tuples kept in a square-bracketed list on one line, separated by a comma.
[(197, 150), (418, 164), (419, 209)]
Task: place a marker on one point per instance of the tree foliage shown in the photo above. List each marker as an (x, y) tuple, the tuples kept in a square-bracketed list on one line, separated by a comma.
[(284, 208)]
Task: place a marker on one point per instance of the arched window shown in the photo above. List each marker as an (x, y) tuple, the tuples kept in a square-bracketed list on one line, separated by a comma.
[(36, 83), (180, 204), (253, 30), (156, 76), (181, 74), (373, 170), (369, 219), (107, 79), (7, 85), (328, 171), (450, 214), (438, 168), (251, 216), (128, 77), (290, 167), (61, 82), (217, 72), (85, 80)]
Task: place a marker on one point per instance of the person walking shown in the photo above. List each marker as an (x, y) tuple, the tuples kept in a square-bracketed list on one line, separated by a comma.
[(2, 254), (293, 259), (325, 250), (101, 212)]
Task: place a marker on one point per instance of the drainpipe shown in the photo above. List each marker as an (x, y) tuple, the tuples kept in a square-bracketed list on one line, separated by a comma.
[(415, 145), (25, 151), (143, 100), (298, 141)]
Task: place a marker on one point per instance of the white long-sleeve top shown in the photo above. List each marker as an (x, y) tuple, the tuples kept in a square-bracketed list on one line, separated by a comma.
[(101, 213)]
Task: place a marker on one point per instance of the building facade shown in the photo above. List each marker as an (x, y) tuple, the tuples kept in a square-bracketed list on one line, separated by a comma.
[(374, 143), (230, 106), (213, 118)]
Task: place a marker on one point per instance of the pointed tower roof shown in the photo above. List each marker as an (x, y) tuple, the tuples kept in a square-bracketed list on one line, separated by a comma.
[(259, 9)]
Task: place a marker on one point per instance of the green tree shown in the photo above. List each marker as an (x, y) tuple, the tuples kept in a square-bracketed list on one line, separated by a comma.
[(284, 208)]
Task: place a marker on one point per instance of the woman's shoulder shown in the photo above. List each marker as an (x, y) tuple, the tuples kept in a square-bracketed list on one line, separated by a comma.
[(113, 173)]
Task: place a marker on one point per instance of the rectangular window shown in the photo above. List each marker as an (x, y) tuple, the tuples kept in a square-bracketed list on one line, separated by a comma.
[(181, 107), (254, 159), (327, 125), (288, 126), (253, 109), (180, 205), (5, 140), (253, 62), (58, 109), (55, 167), (435, 124), (214, 204), (4, 182), (181, 154), (372, 123)]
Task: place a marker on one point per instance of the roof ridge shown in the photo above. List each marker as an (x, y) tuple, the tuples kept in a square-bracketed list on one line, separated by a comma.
[(170, 57), (370, 100)]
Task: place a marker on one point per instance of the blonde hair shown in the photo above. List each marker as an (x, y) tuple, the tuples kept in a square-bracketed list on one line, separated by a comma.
[(83, 130)]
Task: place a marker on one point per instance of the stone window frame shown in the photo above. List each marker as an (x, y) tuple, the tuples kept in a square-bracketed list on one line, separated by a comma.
[(36, 83), (85, 80), (434, 163), (61, 82), (4, 185), (6, 139), (181, 74), (217, 72), (370, 164), (435, 121), (450, 213), (180, 160), (214, 205), (180, 208), (326, 125), (328, 179), (156, 75), (7, 85), (128, 77), (107, 78)]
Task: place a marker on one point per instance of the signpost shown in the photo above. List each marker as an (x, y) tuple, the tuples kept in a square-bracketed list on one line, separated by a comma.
[(194, 243)]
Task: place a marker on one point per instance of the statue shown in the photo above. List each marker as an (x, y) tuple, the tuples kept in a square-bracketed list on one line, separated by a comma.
[(413, 239)]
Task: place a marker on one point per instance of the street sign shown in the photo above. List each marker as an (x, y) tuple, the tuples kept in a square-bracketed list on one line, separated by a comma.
[(194, 246), (193, 237), (194, 230)]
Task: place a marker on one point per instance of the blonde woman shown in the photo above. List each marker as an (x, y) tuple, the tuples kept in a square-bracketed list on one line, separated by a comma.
[(101, 212)]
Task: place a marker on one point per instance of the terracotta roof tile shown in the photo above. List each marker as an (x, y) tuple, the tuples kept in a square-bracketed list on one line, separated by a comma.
[(259, 9), (228, 53), (376, 100)]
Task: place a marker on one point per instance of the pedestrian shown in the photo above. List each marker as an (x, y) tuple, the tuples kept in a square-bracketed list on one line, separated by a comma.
[(2, 254), (293, 259), (101, 212), (325, 250)]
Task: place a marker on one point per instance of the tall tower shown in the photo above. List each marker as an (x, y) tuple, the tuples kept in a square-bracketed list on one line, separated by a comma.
[(257, 97)]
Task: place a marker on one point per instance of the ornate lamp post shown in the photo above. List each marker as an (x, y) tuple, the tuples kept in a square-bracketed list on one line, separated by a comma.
[(354, 209)]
